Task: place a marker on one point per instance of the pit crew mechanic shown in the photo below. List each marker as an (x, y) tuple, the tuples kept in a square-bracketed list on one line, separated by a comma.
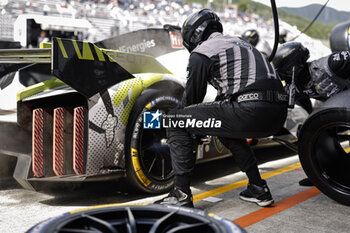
[(319, 79), (251, 102)]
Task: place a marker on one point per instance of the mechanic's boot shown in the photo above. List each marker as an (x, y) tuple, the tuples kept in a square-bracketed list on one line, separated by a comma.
[(306, 182), (258, 194), (177, 197)]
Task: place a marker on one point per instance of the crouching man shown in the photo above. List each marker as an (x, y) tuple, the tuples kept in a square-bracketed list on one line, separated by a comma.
[(251, 102)]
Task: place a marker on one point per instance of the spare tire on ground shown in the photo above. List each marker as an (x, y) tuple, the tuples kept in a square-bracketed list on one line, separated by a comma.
[(141, 219), (324, 148)]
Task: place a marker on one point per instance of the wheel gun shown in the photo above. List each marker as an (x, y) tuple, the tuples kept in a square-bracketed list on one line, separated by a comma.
[(291, 93)]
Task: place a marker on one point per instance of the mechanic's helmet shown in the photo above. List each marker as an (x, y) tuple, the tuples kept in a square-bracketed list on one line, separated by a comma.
[(197, 25), (251, 36), (288, 55)]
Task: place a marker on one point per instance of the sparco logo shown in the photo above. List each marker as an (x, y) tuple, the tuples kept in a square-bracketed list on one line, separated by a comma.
[(282, 97), (249, 96)]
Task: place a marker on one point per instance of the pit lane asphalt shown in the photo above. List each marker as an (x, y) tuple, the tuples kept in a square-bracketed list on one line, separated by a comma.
[(20, 209)]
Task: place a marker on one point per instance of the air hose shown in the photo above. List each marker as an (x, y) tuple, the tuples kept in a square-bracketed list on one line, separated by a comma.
[(277, 32)]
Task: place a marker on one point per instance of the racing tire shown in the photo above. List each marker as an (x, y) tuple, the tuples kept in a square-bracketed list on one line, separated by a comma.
[(142, 219), (323, 152), (147, 155)]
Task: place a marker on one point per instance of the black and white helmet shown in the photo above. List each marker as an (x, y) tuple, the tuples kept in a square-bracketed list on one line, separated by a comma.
[(289, 55), (251, 36), (196, 25)]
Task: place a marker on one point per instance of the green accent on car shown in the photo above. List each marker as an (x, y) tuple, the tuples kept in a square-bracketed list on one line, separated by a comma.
[(86, 54), (39, 87), (45, 45), (135, 86), (63, 50), (99, 53)]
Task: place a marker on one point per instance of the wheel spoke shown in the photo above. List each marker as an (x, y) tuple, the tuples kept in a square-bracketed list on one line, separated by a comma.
[(99, 224), (163, 168), (152, 164), (160, 223), (131, 223)]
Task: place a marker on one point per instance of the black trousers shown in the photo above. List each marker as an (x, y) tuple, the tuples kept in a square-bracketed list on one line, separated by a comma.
[(238, 122)]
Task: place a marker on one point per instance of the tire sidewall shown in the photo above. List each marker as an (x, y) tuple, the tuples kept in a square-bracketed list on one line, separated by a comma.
[(307, 139), (218, 224)]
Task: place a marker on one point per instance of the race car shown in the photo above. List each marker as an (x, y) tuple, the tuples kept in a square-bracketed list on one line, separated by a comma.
[(82, 114)]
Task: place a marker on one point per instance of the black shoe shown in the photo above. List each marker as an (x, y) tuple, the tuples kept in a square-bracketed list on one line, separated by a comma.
[(306, 182), (177, 197), (258, 194)]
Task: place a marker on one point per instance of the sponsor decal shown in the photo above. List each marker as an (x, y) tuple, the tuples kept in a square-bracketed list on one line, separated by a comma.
[(139, 47), (336, 57), (109, 126), (248, 96), (137, 168), (282, 97), (176, 40), (346, 55)]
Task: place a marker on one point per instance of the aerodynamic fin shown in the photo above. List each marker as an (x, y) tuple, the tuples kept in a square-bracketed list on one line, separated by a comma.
[(91, 70), (85, 67), (81, 65)]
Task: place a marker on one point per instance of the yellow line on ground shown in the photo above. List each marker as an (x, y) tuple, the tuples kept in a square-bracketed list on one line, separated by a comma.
[(242, 183), (210, 193), (105, 206)]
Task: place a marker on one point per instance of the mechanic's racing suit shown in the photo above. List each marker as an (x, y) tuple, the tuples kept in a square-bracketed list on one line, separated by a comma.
[(250, 103), (326, 76)]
